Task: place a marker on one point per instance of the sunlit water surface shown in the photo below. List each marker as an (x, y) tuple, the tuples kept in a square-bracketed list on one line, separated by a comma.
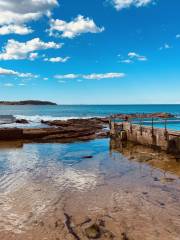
[(130, 184)]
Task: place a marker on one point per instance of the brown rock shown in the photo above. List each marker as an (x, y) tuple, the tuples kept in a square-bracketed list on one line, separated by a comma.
[(126, 117), (74, 129), (11, 134)]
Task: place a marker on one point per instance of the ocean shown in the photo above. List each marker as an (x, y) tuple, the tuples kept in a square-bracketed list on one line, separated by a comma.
[(34, 114)]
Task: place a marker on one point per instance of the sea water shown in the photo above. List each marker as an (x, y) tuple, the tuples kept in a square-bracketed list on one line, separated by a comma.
[(34, 114)]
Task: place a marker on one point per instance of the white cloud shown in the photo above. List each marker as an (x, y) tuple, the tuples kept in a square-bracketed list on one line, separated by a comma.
[(33, 56), (8, 85), (132, 54), (19, 12), (165, 46), (9, 72), (103, 76), (67, 76), (128, 61), (178, 36), (8, 17), (93, 76), (17, 29), (133, 57), (57, 59), (15, 50), (74, 28), (121, 4), (137, 56)]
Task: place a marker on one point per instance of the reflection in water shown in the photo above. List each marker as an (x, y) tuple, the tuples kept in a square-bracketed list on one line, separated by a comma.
[(127, 184), (40, 172), (157, 159), (11, 144)]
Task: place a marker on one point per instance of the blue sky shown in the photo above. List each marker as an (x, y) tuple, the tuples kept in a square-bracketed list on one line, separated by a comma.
[(90, 52)]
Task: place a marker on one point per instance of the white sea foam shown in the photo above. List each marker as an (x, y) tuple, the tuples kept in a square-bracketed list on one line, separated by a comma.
[(35, 120), (39, 118)]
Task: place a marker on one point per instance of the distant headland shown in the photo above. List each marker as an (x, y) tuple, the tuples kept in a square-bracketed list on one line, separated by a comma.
[(27, 102)]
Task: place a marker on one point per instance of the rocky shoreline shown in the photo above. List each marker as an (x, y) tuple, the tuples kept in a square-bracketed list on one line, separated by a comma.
[(69, 130)]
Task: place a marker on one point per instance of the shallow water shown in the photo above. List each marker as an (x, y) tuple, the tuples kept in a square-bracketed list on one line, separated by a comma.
[(130, 189)]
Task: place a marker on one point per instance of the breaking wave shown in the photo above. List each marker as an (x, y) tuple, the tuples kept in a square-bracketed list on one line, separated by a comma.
[(39, 118)]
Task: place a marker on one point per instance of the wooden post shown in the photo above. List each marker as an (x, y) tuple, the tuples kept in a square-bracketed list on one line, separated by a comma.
[(131, 130), (166, 131), (152, 127), (141, 125), (165, 123), (110, 123)]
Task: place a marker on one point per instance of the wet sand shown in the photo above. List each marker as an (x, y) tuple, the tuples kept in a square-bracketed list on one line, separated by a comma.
[(63, 191)]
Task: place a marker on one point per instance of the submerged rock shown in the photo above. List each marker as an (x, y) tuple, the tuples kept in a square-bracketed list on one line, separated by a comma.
[(124, 236), (156, 179), (88, 157), (144, 158), (93, 232), (22, 121), (167, 180)]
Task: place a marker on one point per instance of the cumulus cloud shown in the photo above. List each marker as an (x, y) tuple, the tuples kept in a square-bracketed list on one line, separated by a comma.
[(15, 50), (17, 29), (133, 57), (137, 56), (9, 72), (67, 76), (19, 12), (57, 59), (103, 76), (74, 28), (120, 4), (93, 76)]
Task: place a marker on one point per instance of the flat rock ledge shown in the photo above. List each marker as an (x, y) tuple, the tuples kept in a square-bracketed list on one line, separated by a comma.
[(75, 129)]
